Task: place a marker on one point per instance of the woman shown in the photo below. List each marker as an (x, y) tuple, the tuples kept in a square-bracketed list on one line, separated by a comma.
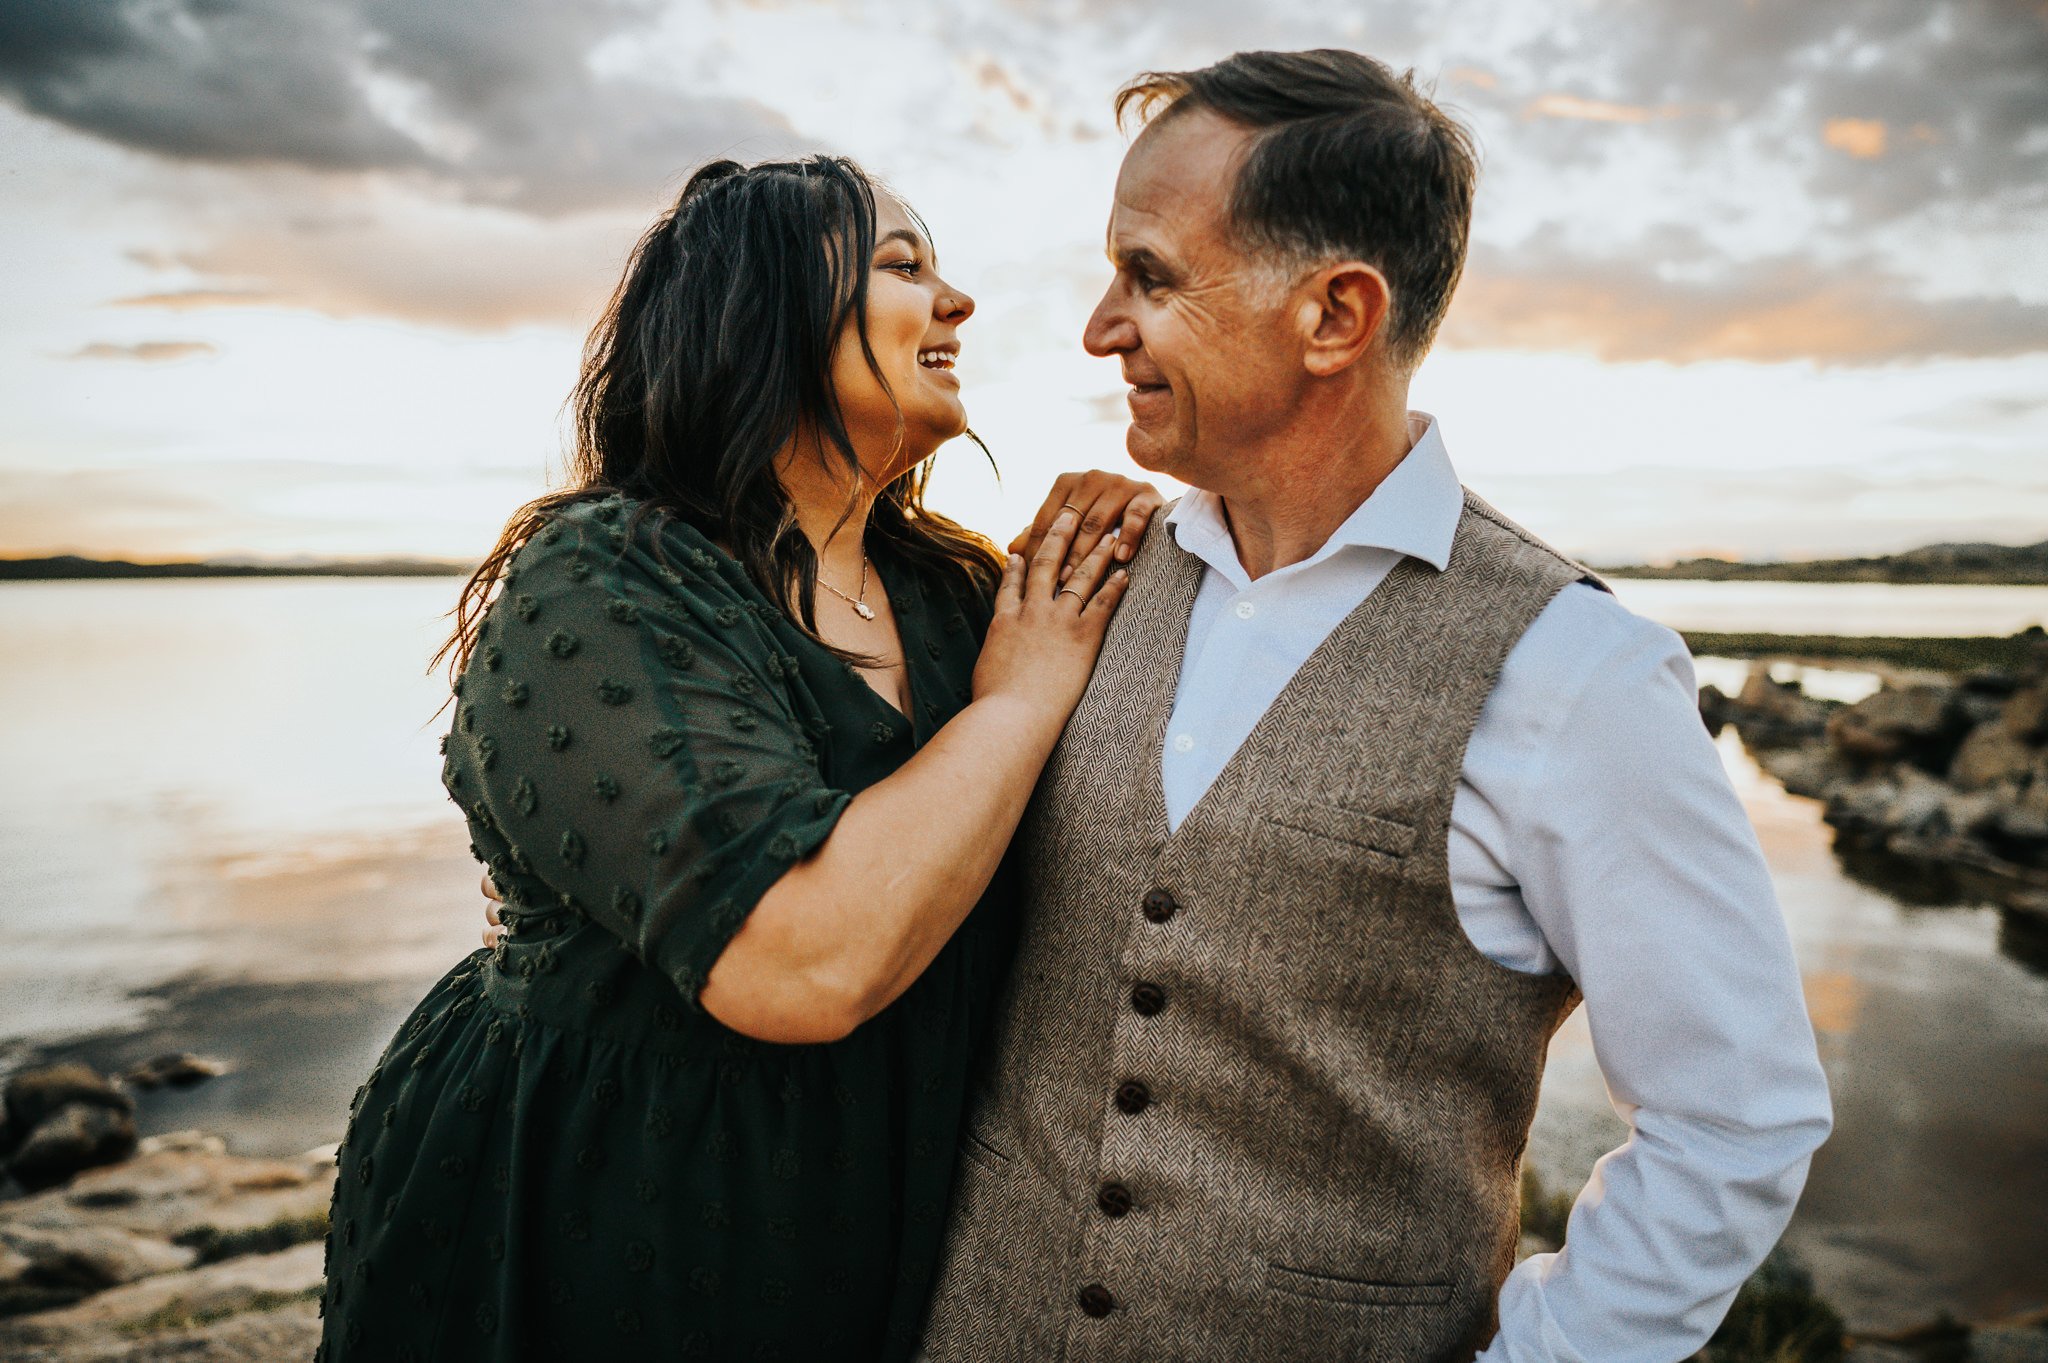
[(741, 734)]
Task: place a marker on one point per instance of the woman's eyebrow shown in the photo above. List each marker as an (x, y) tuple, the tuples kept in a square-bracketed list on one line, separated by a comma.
[(905, 234)]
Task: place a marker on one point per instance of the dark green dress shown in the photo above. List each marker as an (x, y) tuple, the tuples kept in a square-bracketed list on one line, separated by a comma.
[(561, 1155)]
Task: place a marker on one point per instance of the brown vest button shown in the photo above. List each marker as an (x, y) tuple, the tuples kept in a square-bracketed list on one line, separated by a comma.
[(1132, 1096), (1097, 1301), (1160, 905), (1114, 1199), (1148, 998)]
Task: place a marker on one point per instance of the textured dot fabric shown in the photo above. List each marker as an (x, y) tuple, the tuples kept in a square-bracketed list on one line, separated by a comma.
[(561, 1155)]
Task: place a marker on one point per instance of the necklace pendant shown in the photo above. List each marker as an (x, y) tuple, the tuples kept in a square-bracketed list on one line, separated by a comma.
[(863, 610)]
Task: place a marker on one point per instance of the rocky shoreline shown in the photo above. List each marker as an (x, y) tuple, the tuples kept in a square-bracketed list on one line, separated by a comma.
[(1937, 783), (170, 1248)]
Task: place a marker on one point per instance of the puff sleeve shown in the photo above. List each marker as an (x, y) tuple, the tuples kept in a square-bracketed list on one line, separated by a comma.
[(636, 748)]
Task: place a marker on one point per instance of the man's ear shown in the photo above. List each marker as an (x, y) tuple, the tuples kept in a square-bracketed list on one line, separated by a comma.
[(1343, 311)]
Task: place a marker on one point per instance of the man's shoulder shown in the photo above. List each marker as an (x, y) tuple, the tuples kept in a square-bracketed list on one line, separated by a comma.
[(1586, 637)]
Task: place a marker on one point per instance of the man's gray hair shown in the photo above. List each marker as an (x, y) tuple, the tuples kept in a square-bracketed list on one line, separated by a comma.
[(1349, 162)]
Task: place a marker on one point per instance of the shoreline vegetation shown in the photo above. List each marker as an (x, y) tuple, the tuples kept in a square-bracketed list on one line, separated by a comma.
[(1981, 565), (1956, 565), (73, 568), (1958, 654)]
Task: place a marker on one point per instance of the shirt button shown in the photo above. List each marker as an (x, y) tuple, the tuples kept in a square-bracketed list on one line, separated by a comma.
[(1096, 1300), (1133, 1097), (1114, 1199), (1147, 998), (1160, 905), (1246, 610), (1184, 743)]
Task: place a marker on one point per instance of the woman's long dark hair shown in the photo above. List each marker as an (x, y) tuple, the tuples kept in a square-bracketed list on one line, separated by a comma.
[(714, 352)]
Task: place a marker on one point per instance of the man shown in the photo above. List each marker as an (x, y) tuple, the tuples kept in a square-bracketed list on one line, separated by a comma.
[(1413, 783)]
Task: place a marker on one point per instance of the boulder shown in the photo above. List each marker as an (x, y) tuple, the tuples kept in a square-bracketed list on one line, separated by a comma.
[(2026, 714), (1992, 753), (1715, 708), (34, 1095), (91, 1257), (1918, 724), (77, 1136), (196, 1195), (2009, 1344), (1775, 714), (252, 1282), (178, 1069), (1814, 770)]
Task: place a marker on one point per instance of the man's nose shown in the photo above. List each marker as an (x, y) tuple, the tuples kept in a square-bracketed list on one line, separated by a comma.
[(1110, 331)]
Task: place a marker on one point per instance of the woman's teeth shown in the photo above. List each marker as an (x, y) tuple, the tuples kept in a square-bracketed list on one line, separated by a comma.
[(935, 359)]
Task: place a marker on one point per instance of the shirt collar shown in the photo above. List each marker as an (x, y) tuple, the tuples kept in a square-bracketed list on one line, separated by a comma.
[(1414, 511)]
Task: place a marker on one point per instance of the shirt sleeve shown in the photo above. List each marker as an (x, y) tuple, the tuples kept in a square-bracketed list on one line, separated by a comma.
[(1635, 858), (640, 749)]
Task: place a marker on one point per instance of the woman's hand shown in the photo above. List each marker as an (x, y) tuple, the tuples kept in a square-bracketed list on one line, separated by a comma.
[(494, 927), (1050, 615), (1104, 502)]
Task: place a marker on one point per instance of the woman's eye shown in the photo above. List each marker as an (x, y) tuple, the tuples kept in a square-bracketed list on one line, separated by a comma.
[(908, 267)]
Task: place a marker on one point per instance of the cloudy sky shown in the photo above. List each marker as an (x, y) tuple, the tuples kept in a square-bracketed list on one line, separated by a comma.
[(310, 276)]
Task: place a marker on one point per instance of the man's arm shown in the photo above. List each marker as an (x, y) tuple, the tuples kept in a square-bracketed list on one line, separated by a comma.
[(1638, 863)]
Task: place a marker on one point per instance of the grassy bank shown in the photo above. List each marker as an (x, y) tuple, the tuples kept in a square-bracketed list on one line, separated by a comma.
[(1938, 655)]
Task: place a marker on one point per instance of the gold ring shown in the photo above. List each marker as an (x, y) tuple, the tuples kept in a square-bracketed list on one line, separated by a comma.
[(1065, 590), (1069, 506)]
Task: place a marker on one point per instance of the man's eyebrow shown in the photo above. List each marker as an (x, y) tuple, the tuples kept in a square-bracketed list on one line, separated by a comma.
[(1137, 258)]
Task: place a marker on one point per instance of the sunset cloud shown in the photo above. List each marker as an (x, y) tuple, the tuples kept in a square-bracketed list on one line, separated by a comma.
[(504, 103), (148, 352), (1545, 295), (1595, 110), (1860, 137)]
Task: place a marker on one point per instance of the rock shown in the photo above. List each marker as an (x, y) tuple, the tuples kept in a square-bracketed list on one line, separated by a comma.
[(187, 1142), (179, 1069), (33, 1096), (2009, 1344), (1919, 724), (1992, 753), (1775, 714), (78, 1136), (255, 1335), (2026, 714), (1714, 708), (1814, 770), (91, 1257), (174, 1194), (255, 1280)]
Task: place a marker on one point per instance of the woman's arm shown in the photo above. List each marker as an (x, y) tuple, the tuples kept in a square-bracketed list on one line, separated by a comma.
[(846, 930)]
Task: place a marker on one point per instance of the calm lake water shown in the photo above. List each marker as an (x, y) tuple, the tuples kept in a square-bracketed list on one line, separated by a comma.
[(222, 829)]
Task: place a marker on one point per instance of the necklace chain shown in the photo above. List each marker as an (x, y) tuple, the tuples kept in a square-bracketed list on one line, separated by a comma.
[(859, 603)]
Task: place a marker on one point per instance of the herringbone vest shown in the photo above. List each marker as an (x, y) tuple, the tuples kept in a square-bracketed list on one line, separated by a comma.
[(1254, 1095)]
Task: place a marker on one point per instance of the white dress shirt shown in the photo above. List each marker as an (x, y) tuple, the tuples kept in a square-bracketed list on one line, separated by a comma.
[(1593, 831)]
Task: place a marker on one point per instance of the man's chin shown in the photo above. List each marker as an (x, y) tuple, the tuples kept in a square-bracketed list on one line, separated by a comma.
[(1152, 451)]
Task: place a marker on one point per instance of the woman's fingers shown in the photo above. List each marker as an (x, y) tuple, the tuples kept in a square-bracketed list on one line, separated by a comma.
[(1087, 575), (1137, 516), (1104, 601), (1043, 578), (1033, 535), (1010, 591), (492, 893)]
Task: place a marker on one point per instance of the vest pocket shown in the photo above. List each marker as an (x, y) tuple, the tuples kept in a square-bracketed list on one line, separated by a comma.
[(1388, 837), (1328, 1287), (982, 1153)]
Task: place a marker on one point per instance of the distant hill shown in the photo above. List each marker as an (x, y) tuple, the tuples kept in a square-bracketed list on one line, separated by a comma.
[(70, 567), (1972, 564)]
